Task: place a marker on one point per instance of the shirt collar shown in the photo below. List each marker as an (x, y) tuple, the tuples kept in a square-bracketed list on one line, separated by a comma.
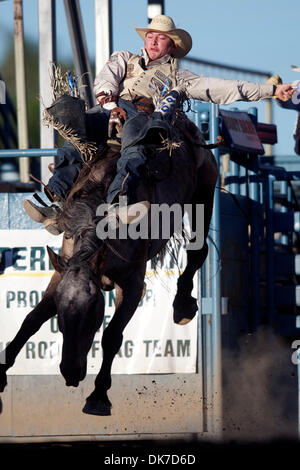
[(150, 63)]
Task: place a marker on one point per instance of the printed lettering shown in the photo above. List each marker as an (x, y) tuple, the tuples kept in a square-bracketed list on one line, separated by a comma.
[(30, 350), (18, 258), (169, 350), (10, 297), (183, 348), (37, 256), (54, 325), (21, 298)]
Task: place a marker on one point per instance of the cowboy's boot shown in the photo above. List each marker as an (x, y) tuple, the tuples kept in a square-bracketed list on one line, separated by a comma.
[(47, 215), (130, 214)]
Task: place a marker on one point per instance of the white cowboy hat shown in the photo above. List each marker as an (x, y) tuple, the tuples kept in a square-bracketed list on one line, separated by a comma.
[(165, 25)]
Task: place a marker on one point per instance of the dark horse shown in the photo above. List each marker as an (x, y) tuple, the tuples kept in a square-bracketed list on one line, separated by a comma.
[(88, 264)]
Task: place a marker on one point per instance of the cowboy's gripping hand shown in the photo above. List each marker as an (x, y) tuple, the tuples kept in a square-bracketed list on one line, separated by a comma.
[(284, 92), (116, 120)]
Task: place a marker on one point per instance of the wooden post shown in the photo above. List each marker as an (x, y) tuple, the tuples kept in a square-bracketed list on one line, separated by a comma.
[(21, 88)]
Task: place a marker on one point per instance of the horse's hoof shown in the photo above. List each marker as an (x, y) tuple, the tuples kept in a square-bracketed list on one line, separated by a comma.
[(183, 321), (181, 318), (3, 379), (97, 407), (184, 312)]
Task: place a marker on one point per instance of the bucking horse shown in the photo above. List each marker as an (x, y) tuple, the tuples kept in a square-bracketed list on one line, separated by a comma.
[(87, 265)]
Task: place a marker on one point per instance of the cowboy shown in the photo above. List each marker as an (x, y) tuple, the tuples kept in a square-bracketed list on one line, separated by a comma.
[(129, 88)]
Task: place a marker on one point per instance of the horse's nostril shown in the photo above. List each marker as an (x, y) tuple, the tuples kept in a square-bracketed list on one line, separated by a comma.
[(72, 383), (72, 374)]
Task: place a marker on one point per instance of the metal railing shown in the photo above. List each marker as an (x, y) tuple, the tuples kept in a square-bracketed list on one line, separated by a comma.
[(220, 70), (231, 72), (15, 153)]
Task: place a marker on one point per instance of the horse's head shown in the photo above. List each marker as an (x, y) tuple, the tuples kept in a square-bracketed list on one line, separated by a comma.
[(80, 310)]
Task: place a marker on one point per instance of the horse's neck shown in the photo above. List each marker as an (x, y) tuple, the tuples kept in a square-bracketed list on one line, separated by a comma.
[(103, 166)]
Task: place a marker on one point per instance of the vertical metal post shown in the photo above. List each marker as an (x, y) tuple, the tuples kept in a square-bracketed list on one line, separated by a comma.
[(155, 7), (234, 186), (243, 181), (103, 32), (269, 120), (284, 208), (290, 205), (200, 344), (216, 291), (47, 55), (255, 251), (298, 369), (269, 203), (20, 89), (204, 324), (80, 55)]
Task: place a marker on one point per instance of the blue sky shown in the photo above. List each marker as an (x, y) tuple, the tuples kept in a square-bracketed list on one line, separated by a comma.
[(259, 34)]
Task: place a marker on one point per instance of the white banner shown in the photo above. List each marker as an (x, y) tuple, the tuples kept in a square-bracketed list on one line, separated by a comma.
[(152, 342)]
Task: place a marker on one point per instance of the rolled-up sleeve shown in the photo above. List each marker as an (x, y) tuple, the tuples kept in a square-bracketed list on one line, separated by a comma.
[(220, 91), (113, 72)]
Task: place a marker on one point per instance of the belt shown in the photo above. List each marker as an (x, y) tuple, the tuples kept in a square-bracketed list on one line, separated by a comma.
[(142, 104)]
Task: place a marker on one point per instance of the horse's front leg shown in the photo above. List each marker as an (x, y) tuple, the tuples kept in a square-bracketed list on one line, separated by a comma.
[(32, 323), (184, 305), (128, 296)]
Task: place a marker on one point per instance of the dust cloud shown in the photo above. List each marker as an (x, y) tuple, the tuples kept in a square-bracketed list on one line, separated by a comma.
[(260, 393)]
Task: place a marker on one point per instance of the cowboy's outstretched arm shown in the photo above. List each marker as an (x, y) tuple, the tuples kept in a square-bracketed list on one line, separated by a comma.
[(222, 91), (106, 84)]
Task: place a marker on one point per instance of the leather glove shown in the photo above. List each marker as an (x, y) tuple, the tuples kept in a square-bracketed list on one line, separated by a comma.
[(116, 120)]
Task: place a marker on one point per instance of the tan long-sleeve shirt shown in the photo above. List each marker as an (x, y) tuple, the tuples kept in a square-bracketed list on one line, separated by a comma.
[(140, 73)]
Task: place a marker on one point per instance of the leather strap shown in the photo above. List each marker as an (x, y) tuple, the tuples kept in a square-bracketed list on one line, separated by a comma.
[(143, 104), (39, 199)]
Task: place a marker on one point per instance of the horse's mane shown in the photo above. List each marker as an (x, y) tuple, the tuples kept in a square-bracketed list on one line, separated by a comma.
[(79, 210), (78, 219)]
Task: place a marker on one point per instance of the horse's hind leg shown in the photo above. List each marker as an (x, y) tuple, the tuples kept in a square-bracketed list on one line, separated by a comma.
[(185, 306)]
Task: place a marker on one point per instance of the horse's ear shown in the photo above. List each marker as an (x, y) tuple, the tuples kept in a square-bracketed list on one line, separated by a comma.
[(57, 261)]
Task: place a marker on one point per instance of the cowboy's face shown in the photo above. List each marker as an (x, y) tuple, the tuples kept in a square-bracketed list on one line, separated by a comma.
[(157, 45)]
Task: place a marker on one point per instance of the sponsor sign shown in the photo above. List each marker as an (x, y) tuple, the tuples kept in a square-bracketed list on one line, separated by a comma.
[(239, 132), (152, 342)]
